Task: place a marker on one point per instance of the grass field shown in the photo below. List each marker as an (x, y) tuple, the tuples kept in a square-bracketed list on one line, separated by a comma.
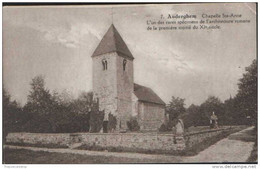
[(14, 156)]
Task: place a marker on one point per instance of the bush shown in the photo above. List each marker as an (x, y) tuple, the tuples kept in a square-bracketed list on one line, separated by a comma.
[(163, 128), (111, 122), (96, 121), (133, 124), (168, 125)]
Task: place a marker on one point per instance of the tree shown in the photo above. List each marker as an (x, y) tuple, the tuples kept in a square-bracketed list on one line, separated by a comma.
[(84, 103), (233, 113), (42, 107), (192, 117), (39, 100), (175, 108), (212, 104), (247, 92), (13, 118)]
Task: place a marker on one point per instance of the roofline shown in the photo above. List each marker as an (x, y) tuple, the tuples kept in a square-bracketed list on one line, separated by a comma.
[(152, 102), (118, 52)]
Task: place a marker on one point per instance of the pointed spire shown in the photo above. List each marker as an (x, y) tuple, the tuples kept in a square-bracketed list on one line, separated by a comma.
[(112, 15), (112, 42)]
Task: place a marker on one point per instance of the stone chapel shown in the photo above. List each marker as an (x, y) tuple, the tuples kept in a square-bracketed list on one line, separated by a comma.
[(114, 87)]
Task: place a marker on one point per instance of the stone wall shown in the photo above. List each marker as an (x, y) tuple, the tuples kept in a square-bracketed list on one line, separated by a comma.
[(135, 141), (39, 138), (151, 116), (195, 138)]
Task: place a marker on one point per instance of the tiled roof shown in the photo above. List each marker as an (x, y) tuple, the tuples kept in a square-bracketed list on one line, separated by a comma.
[(112, 42), (147, 95)]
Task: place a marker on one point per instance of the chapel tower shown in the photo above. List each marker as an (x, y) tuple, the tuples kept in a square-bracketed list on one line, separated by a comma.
[(113, 77)]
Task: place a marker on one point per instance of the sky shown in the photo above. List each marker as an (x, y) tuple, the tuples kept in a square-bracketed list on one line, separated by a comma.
[(58, 41)]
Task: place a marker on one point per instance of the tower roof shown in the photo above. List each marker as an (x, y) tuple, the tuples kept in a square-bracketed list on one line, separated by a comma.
[(112, 42)]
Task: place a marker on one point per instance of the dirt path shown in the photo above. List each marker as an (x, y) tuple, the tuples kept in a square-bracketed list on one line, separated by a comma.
[(234, 148)]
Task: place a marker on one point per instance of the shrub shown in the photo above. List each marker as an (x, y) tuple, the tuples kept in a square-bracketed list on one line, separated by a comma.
[(163, 128), (111, 122), (96, 121), (133, 124)]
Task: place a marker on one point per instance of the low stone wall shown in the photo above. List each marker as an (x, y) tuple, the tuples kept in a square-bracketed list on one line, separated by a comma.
[(136, 141), (195, 138), (39, 138), (149, 141)]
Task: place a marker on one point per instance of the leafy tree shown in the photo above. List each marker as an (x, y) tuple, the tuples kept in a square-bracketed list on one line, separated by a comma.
[(84, 103), (41, 106), (13, 118), (212, 104), (192, 116), (247, 92), (229, 112), (175, 108), (233, 113), (39, 100)]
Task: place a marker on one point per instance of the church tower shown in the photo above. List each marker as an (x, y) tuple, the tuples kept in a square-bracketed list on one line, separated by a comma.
[(113, 77)]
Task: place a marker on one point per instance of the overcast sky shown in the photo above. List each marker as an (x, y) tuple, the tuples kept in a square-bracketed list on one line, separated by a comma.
[(58, 42)]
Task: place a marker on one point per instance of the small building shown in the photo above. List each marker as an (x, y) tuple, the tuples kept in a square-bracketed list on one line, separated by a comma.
[(149, 107), (113, 85)]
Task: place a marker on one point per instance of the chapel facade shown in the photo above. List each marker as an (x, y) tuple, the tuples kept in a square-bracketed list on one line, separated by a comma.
[(114, 87)]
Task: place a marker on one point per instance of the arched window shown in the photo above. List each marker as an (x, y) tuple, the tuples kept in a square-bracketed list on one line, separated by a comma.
[(104, 63), (124, 64)]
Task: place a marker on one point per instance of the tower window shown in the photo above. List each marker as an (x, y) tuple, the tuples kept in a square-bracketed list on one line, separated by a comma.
[(104, 63), (124, 64)]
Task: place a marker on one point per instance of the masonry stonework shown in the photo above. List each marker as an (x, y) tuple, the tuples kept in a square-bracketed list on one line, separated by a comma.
[(105, 83), (134, 141), (114, 87), (125, 86), (153, 119)]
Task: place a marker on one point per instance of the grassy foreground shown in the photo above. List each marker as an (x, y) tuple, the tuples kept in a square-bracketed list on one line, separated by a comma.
[(15, 156)]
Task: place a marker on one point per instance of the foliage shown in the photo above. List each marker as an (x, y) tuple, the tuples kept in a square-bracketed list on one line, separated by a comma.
[(112, 122), (39, 100), (163, 128), (13, 117), (96, 121), (133, 125), (192, 118), (54, 112), (212, 104), (247, 93), (175, 108)]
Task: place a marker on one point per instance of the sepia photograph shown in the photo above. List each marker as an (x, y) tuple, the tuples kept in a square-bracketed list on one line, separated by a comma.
[(131, 83)]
